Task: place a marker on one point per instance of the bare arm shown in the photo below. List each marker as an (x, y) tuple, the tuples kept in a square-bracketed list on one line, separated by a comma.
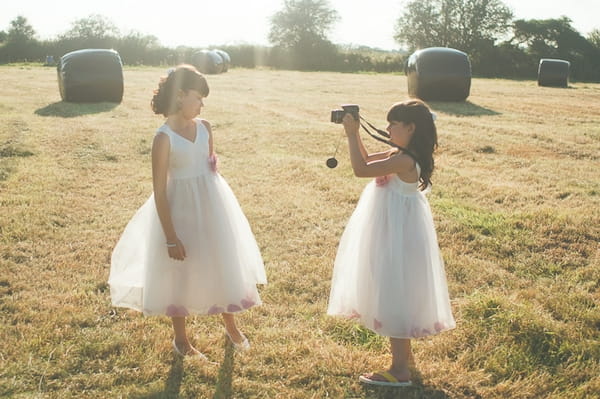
[(377, 156), (160, 164), (212, 157), (380, 164), (373, 156), (206, 124)]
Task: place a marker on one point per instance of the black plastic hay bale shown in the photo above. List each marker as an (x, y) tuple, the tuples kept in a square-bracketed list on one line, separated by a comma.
[(226, 59), (208, 61), (439, 74), (553, 72), (91, 75)]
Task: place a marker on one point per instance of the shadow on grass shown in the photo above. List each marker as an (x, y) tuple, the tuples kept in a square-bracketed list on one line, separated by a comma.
[(8, 152), (173, 383), (224, 386), (224, 389), (465, 108), (416, 391), (64, 109)]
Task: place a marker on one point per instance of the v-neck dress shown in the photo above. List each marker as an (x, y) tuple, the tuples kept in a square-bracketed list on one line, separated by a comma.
[(223, 263), (388, 272)]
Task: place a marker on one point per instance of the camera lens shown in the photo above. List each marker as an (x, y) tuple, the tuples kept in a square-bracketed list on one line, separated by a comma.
[(337, 115)]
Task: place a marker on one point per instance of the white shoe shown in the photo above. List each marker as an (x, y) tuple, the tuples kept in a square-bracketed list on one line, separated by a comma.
[(242, 346), (196, 354)]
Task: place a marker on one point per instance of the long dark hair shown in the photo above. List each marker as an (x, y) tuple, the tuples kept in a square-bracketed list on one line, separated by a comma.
[(424, 139), (185, 77)]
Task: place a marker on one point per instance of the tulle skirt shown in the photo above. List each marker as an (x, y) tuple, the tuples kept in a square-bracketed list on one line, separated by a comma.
[(388, 271), (223, 263)]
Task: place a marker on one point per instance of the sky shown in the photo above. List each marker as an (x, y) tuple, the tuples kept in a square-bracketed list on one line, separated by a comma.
[(230, 22)]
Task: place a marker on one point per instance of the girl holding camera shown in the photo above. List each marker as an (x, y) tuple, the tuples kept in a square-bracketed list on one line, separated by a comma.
[(189, 249), (388, 272)]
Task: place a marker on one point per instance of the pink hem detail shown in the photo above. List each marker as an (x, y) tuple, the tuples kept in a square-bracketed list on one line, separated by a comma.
[(215, 310), (247, 303), (377, 324), (177, 311)]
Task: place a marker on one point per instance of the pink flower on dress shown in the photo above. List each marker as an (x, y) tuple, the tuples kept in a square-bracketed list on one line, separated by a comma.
[(177, 311), (248, 303), (233, 308), (439, 326), (212, 162), (354, 314), (381, 181), (377, 324), (214, 309)]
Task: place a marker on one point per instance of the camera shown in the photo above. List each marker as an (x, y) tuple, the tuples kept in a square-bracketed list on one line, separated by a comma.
[(338, 114)]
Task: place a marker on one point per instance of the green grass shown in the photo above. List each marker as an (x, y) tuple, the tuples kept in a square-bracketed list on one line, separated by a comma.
[(515, 201)]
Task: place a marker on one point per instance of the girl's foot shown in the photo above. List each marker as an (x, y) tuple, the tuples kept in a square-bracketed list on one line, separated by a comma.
[(387, 378), (187, 350), (239, 340)]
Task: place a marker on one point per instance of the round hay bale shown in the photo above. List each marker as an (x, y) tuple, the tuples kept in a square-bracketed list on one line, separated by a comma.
[(439, 74), (208, 62), (90, 75), (553, 72), (226, 59)]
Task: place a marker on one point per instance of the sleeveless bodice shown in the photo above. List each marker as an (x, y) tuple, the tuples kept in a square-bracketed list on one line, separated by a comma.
[(402, 187), (187, 159)]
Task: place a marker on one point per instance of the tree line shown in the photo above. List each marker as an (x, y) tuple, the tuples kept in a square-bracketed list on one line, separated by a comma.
[(497, 44)]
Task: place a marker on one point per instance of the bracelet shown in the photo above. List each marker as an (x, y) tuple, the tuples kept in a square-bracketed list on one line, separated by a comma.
[(171, 244)]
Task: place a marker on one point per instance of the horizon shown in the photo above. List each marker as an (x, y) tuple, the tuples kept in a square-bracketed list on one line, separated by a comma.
[(233, 22)]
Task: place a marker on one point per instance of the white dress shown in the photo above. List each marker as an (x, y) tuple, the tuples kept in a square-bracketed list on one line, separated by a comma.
[(388, 271), (223, 263)]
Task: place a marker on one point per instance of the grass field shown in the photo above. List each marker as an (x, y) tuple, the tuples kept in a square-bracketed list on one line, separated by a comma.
[(516, 199)]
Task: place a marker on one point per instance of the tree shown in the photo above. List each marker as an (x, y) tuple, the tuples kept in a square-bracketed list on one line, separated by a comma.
[(300, 21), (94, 26), (134, 47), (20, 31), (466, 25), (95, 31), (548, 37), (594, 38), (556, 38), (300, 30), (20, 43)]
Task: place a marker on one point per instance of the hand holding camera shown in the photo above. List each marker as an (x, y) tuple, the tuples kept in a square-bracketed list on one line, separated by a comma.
[(337, 115), (351, 122)]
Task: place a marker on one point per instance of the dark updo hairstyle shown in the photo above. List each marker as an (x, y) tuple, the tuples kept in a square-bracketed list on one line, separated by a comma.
[(424, 139), (185, 77)]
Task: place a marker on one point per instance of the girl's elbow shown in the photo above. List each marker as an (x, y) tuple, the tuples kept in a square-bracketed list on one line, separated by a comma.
[(360, 173)]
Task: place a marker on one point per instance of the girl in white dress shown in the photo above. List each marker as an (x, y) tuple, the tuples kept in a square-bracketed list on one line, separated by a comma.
[(388, 272), (189, 249)]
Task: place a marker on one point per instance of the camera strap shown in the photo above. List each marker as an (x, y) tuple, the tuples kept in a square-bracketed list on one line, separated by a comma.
[(388, 141)]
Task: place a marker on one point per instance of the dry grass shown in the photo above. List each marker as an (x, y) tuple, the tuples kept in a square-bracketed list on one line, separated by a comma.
[(516, 199)]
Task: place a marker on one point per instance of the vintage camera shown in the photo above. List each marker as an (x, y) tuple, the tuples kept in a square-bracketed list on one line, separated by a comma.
[(338, 114)]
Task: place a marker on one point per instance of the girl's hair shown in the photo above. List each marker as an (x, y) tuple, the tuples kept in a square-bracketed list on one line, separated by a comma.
[(185, 77), (424, 139)]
